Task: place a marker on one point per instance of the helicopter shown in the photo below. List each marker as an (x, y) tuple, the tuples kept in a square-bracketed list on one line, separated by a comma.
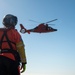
[(41, 28)]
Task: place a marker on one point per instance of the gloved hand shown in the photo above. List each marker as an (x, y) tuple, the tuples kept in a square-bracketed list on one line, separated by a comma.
[(23, 68)]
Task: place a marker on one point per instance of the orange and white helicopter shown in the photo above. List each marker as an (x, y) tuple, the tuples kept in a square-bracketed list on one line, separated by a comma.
[(41, 28)]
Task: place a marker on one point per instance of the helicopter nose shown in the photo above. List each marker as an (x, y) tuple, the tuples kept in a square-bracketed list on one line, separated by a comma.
[(55, 29)]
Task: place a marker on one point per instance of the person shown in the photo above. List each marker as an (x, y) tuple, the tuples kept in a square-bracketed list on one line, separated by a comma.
[(12, 48)]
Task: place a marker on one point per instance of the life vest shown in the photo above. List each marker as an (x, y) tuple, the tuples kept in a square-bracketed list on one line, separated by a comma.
[(8, 43)]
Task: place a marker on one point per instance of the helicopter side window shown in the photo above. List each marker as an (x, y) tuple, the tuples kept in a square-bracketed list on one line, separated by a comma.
[(49, 28)]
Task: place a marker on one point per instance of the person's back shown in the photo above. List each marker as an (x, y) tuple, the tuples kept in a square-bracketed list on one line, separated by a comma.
[(9, 38), (12, 35), (11, 47)]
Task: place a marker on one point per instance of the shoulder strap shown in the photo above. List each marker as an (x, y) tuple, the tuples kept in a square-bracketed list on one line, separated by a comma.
[(8, 41), (11, 50)]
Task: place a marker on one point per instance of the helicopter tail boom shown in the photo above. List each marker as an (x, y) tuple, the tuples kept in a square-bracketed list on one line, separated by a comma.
[(23, 29)]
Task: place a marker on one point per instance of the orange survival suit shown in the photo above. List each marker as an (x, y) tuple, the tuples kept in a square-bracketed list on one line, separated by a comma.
[(11, 45)]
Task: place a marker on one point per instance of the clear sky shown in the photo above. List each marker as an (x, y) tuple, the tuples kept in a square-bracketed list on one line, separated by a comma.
[(49, 53)]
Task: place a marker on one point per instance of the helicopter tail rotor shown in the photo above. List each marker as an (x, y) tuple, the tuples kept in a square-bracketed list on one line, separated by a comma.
[(22, 30)]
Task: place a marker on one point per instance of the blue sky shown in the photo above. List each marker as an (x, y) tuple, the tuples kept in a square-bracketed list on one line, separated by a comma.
[(50, 53)]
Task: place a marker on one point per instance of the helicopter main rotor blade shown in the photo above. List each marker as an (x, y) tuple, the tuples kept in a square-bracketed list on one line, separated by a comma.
[(51, 24), (34, 21), (51, 21)]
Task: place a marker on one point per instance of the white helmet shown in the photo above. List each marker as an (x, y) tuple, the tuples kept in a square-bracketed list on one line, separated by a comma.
[(10, 21)]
